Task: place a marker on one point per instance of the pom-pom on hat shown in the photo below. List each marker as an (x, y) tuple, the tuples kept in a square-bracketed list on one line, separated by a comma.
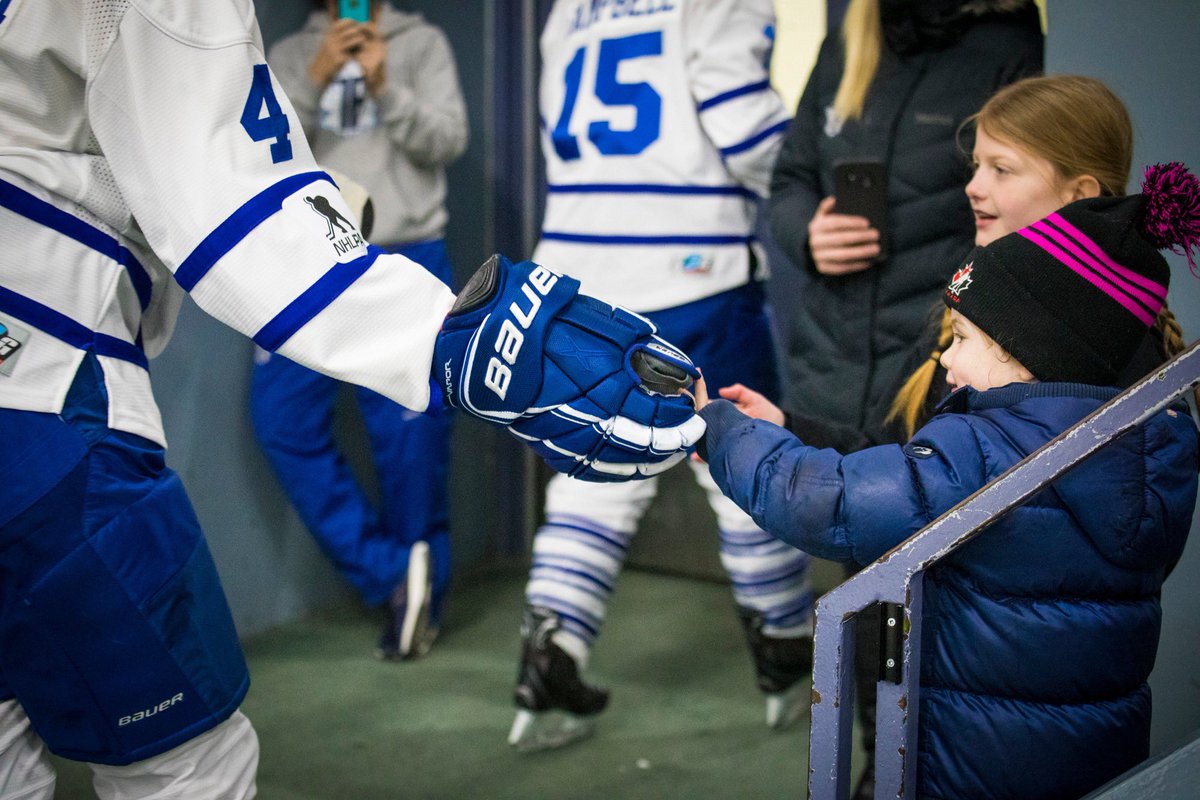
[(1072, 295)]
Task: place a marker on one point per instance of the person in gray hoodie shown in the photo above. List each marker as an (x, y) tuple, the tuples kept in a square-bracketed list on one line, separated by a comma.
[(380, 102)]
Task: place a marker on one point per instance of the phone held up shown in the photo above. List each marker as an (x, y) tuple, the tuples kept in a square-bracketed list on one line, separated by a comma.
[(860, 188), (357, 10)]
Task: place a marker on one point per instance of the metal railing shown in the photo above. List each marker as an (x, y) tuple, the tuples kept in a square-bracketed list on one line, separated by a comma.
[(896, 578)]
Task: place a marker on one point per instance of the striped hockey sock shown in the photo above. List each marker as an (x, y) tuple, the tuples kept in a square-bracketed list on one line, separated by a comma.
[(576, 562), (770, 577)]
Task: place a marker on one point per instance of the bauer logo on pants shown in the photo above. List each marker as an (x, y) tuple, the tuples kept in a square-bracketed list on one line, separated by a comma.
[(12, 339), (129, 719)]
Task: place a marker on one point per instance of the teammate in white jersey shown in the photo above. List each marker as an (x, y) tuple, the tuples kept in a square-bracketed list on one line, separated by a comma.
[(145, 149), (660, 132)]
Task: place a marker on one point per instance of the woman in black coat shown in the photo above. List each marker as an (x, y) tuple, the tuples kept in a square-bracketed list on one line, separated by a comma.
[(893, 86)]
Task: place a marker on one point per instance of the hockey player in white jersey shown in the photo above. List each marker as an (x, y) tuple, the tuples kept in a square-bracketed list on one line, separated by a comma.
[(660, 130), (146, 150)]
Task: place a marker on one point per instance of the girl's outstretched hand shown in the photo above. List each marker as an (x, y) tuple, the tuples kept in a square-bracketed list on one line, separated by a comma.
[(752, 403)]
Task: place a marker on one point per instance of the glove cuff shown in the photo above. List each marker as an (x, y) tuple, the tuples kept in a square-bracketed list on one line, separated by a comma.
[(480, 289), (489, 354)]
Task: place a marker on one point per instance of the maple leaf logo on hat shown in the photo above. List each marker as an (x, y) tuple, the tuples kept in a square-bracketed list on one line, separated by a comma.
[(961, 280)]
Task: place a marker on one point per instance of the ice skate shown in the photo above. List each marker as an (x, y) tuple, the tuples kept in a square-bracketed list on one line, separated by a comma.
[(780, 665), (413, 619), (555, 707)]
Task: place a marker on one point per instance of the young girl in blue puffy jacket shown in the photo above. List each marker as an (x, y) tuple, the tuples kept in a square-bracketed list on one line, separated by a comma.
[(1039, 634)]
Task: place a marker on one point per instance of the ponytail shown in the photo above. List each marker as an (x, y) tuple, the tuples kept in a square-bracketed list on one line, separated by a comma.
[(911, 400), (1169, 328), (1172, 342)]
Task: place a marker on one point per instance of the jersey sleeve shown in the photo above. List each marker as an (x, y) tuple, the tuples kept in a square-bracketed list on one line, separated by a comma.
[(729, 46), (210, 156)]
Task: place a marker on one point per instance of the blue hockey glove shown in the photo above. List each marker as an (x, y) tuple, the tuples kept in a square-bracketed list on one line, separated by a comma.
[(588, 385)]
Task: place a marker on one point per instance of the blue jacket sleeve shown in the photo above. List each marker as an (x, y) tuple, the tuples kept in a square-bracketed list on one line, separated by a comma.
[(843, 508)]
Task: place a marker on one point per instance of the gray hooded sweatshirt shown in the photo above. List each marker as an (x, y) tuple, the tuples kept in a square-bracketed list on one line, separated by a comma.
[(421, 128)]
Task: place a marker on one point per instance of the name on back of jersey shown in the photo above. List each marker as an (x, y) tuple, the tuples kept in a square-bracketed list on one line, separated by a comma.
[(589, 12)]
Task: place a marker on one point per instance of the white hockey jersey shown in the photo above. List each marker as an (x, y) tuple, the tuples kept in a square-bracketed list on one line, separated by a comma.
[(146, 150), (660, 128)]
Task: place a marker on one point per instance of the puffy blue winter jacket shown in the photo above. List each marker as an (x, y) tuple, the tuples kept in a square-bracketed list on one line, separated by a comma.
[(1039, 635)]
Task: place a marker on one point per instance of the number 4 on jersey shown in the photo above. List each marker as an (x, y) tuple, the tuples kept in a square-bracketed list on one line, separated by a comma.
[(275, 124), (646, 102)]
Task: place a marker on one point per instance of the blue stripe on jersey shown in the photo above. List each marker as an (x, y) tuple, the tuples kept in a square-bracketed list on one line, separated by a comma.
[(733, 94), (22, 202), (313, 301), (226, 236), (65, 329), (3, 8), (734, 149), (648, 188), (588, 238)]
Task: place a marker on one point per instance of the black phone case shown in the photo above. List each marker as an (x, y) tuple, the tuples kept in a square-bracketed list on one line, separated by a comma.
[(861, 189)]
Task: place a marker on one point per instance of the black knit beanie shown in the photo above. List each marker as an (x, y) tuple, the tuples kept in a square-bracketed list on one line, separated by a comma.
[(1072, 295)]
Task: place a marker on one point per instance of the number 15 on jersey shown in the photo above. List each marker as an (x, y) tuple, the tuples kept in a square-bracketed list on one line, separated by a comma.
[(646, 102)]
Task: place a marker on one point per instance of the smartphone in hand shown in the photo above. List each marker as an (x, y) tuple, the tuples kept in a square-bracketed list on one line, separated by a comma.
[(357, 10), (860, 188)]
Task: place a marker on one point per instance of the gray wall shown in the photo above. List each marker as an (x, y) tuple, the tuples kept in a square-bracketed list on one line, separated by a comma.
[(1146, 52)]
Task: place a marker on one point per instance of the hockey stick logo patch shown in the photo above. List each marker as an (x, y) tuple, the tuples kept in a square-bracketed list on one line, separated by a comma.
[(12, 339), (342, 233)]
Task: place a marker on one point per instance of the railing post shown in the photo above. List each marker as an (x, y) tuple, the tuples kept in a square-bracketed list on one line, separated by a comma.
[(832, 704), (896, 706)]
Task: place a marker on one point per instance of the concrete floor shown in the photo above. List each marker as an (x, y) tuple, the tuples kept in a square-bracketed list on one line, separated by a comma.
[(685, 719)]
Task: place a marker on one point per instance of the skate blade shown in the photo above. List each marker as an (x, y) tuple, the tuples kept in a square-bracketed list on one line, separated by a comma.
[(548, 730), (784, 708)]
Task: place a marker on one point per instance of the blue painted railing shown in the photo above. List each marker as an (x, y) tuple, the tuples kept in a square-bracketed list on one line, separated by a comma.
[(896, 578)]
